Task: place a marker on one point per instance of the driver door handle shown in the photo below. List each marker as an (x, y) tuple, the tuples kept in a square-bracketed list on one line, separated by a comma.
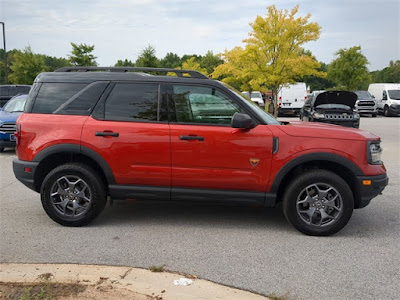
[(191, 138)]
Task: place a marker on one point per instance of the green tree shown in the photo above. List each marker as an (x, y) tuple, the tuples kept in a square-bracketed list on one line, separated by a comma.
[(81, 55), (273, 52), (147, 58), (124, 63), (54, 63), (318, 83), (171, 60), (349, 70), (210, 61), (390, 74), (25, 66)]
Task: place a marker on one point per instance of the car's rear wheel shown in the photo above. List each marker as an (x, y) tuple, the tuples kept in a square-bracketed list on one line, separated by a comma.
[(73, 194), (1, 149), (318, 202)]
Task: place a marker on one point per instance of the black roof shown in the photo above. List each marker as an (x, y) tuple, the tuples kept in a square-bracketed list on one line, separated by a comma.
[(92, 74)]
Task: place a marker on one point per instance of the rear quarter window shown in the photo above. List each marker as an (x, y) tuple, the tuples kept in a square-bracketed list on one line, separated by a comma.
[(52, 95)]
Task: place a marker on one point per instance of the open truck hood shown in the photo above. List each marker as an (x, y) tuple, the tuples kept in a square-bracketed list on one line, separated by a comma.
[(336, 97)]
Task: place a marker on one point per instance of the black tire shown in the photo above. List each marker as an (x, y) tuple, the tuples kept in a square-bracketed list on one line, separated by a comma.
[(337, 204), (386, 112), (79, 206), (1, 149)]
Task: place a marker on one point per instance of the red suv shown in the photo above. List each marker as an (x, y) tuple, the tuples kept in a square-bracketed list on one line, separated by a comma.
[(122, 133)]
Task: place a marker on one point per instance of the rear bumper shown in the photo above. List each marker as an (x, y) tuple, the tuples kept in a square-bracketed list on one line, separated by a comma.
[(370, 187), (288, 111), (24, 171)]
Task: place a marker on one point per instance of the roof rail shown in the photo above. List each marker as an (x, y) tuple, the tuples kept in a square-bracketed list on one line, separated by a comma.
[(179, 73)]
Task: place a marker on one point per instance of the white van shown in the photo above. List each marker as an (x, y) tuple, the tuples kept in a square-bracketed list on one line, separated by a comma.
[(291, 98), (256, 97), (387, 96)]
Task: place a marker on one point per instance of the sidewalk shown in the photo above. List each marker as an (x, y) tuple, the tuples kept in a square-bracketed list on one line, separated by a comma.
[(121, 282)]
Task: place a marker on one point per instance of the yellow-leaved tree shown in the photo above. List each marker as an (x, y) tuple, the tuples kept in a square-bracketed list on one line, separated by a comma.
[(237, 70), (273, 54), (191, 64)]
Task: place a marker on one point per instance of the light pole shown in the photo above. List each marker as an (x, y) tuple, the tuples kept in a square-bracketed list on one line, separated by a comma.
[(5, 52)]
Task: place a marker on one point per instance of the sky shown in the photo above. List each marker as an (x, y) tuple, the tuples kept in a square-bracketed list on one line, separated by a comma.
[(121, 29)]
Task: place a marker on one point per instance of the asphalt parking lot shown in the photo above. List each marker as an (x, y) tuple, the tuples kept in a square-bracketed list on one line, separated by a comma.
[(246, 247)]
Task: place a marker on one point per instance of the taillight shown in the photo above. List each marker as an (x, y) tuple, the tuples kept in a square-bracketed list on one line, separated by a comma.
[(280, 101), (17, 134), (305, 98)]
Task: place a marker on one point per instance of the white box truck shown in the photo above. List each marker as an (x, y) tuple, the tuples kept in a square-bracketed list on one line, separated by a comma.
[(291, 98), (387, 97)]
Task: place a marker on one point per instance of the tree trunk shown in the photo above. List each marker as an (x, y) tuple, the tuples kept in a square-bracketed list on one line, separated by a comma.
[(275, 97)]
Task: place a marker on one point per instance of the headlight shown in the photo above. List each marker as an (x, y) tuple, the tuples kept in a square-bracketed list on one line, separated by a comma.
[(318, 115), (374, 152), (356, 116)]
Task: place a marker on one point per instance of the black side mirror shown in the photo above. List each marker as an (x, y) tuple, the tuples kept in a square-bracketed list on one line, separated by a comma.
[(373, 96), (242, 121)]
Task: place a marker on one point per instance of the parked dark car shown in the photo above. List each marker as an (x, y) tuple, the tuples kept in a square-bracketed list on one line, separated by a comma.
[(9, 91), (8, 116), (333, 107), (366, 104)]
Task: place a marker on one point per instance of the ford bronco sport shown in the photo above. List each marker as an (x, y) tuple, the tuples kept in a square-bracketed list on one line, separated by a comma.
[(90, 133)]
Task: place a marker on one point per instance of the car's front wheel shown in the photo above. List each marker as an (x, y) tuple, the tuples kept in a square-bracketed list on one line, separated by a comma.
[(386, 111), (73, 194), (318, 202)]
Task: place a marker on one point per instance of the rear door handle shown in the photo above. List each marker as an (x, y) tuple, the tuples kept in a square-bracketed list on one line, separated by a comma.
[(191, 138), (107, 133)]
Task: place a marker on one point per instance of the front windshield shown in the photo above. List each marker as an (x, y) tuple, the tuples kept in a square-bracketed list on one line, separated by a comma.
[(363, 95), (333, 106), (16, 104), (269, 119), (394, 94), (246, 94)]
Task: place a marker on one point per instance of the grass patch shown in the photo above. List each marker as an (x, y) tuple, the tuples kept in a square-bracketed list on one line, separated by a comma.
[(45, 289), (157, 269)]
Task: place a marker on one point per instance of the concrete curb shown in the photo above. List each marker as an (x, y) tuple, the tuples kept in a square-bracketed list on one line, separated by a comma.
[(137, 280)]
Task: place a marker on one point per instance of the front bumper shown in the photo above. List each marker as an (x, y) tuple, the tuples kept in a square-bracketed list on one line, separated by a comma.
[(365, 110), (369, 187), (7, 144), (345, 123), (24, 171), (394, 109)]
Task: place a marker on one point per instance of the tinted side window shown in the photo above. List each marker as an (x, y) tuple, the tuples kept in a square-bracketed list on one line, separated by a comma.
[(132, 102), (206, 105), (83, 102), (23, 89), (52, 95), (4, 90)]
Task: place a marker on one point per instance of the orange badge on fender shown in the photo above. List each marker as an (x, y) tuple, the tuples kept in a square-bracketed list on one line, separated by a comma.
[(254, 161)]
